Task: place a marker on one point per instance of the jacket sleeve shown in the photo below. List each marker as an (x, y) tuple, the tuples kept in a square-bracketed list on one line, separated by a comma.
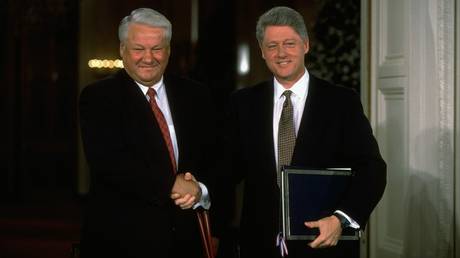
[(362, 150)]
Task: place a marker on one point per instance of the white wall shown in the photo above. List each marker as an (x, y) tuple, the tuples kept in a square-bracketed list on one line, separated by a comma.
[(412, 103)]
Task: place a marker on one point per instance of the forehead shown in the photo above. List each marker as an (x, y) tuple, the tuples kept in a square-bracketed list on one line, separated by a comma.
[(280, 33), (139, 31)]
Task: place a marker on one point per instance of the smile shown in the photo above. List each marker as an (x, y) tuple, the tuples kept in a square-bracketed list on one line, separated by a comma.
[(283, 62)]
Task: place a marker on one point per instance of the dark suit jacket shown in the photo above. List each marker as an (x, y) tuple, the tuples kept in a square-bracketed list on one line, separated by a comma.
[(129, 212), (334, 132)]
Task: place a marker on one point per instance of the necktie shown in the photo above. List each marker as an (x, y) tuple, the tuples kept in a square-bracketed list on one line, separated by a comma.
[(163, 125), (286, 134)]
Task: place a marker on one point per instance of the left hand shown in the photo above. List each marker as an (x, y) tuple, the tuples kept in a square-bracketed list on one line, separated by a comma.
[(329, 232), (186, 191)]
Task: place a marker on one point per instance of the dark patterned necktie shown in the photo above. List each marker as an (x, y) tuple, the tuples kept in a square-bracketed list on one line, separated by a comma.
[(286, 134), (163, 125)]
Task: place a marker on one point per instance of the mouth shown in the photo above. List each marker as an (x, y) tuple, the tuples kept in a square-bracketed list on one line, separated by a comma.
[(283, 62), (150, 67)]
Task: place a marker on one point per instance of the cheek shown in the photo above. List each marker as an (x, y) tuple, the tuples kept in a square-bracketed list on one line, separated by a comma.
[(161, 57), (134, 56), (269, 56)]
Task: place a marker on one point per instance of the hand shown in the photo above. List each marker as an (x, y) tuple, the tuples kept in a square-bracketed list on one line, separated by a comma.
[(329, 232), (186, 191)]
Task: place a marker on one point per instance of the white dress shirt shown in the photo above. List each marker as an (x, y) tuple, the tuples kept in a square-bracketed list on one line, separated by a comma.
[(162, 102), (298, 97)]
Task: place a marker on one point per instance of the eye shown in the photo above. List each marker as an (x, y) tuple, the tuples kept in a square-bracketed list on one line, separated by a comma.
[(271, 46), (290, 44)]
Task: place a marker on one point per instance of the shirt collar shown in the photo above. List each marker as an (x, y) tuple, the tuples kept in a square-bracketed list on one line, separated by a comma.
[(158, 87), (299, 89)]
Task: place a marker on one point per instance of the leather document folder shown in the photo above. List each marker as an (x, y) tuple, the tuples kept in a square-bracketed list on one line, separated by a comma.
[(309, 195)]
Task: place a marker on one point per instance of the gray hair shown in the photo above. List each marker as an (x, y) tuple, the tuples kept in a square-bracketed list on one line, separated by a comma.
[(281, 16), (148, 17)]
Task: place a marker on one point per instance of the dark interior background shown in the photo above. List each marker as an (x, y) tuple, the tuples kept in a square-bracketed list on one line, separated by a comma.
[(45, 48)]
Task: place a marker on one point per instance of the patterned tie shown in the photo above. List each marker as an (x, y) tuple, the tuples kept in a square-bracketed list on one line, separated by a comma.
[(286, 134), (163, 125)]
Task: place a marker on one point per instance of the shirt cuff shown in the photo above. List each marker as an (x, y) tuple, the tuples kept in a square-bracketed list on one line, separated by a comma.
[(353, 224), (205, 201)]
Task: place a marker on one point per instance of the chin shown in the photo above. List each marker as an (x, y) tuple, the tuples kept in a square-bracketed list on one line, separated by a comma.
[(284, 76)]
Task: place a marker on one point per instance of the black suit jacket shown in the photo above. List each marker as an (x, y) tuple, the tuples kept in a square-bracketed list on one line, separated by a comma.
[(334, 132), (129, 212)]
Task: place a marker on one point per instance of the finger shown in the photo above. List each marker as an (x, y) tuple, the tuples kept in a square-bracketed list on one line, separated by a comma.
[(189, 203), (316, 243), (188, 176), (334, 243), (175, 196), (312, 224), (182, 200), (185, 207)]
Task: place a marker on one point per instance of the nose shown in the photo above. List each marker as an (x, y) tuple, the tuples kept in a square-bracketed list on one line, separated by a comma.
[(148, 57), (281, 52)]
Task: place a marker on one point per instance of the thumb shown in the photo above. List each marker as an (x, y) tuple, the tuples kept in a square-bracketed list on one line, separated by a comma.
[(188, 176)]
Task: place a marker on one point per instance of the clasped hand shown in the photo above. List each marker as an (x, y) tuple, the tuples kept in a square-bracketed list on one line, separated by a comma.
[(186, 191), (329, 232)]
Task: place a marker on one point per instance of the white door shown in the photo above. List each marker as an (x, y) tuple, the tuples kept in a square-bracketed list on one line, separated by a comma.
[(411, 100)]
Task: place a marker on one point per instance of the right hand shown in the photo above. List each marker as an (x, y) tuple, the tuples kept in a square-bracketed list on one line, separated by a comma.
[(186, 191)]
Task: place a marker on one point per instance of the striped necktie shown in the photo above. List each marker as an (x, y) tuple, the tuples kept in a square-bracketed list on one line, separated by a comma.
[(163, 125)]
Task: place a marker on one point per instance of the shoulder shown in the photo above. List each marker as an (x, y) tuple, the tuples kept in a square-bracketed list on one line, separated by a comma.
[(328, 87), (186, 89), (330, 92), (184, 84), (110, 85), (253, 92)]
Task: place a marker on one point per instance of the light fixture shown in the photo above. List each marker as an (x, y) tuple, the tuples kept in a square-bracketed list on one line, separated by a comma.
[(105, 64), (243, 59)]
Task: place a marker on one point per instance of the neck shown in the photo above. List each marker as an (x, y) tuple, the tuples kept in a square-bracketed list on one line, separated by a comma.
[(287, 83)]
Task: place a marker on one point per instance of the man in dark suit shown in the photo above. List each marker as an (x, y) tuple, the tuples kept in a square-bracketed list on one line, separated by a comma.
[(297, 119), (142, 130)]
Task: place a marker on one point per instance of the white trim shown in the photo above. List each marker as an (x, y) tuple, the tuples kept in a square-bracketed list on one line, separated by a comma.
[(365, 37), (457, 130), (374, 16)]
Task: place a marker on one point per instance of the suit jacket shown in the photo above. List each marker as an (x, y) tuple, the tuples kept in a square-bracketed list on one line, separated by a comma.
[(334, 132), (129, 212)]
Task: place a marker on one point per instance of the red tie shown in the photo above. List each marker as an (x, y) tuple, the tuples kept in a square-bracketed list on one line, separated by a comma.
[(163, 125)]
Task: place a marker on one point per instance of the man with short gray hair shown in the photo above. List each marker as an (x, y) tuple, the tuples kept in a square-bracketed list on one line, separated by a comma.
[(146, 137)]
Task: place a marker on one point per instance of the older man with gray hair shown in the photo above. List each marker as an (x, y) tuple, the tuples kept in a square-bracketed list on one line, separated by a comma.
[(145, 134)]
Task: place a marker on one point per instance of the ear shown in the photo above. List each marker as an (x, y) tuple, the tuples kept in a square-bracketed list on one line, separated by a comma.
[(168, 49), (306, 44), (122, 49), (261, 51)]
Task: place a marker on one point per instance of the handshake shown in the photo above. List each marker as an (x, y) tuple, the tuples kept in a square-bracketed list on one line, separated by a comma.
[(186, 191)]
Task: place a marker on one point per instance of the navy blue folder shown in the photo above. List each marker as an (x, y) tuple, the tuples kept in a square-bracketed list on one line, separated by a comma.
[(309, 195)]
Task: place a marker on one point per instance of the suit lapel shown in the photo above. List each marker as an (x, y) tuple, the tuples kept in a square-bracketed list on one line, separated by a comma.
[(265, 112), (140, 118), (305, 133), (176, 105)]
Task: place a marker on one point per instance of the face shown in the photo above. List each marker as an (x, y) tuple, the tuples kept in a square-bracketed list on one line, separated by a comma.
[(284, 53), (145, 53)]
